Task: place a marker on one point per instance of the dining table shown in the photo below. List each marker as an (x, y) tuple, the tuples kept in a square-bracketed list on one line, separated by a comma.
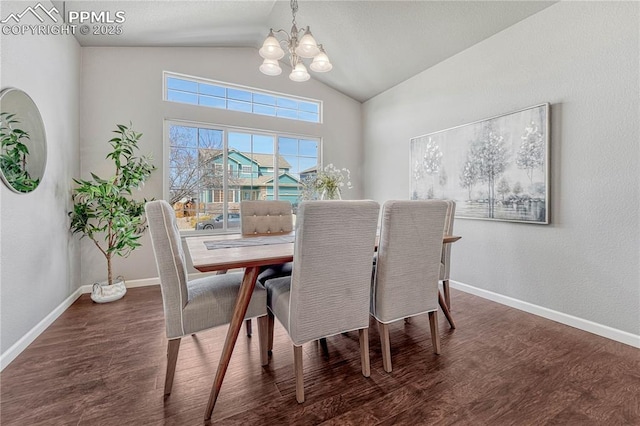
[(223, 252)]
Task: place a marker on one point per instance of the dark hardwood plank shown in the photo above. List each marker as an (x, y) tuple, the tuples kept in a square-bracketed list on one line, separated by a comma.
[(105, 365)]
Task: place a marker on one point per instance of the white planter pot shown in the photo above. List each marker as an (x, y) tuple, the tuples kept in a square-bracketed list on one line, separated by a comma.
[(102, 292)]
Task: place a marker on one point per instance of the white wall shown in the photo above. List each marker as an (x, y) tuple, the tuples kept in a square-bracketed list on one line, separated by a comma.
[(582, 57), (40, 260), (125, 84)]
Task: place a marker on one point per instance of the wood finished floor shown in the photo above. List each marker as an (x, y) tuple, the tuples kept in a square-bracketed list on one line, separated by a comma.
[(104, 365)]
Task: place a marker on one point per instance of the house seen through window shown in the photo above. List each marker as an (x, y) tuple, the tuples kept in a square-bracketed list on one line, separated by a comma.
[(212, 169)]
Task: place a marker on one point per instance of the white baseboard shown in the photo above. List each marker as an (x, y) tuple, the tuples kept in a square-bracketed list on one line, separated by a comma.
[(144, 282), (15, 350), (579, 323), (129, 283)]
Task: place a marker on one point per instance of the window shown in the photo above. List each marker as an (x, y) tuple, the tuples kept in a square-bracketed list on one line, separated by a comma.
[(217, 166), (215, 94)]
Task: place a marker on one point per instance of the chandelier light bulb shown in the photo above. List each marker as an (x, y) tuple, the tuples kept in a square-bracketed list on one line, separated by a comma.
[(321, 62), (271, 48), (299, 73), (270, 67), (307, 46)]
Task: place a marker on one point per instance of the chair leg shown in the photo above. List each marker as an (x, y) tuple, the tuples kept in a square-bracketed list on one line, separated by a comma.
[(324, 346), (435, 335), (364, 352), (445, 310), (447, 295), (270, 319), (383, 330), (297, 365), (263, 339), (172, 357)]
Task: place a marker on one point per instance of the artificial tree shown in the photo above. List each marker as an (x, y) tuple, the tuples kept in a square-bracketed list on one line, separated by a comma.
[(104, 209)]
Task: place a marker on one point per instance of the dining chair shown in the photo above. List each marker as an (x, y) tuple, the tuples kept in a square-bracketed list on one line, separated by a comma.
[(271, 217), (405, 281), (266, 217), (445, 264), (328, 290), (196, 305)]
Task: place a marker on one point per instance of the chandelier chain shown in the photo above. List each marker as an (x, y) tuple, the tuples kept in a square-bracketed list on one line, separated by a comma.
[(294, 10)]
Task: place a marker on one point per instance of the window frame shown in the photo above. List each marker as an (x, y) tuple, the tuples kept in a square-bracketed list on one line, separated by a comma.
[(252, 90), (226, 129)]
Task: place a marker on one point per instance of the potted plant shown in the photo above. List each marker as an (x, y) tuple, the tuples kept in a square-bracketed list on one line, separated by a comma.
[(105, 211), (327, 184), (14, 153)]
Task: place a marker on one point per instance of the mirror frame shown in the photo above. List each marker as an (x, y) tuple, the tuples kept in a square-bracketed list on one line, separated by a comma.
[(30, 120)]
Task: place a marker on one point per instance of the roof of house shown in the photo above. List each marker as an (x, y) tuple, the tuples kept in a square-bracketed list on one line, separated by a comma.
[(262, 181), (264, 160)]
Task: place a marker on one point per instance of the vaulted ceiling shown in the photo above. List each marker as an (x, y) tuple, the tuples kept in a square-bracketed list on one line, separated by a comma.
[(373, 45)]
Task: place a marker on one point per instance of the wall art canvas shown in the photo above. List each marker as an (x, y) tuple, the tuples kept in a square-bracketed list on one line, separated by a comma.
[(495, 169)]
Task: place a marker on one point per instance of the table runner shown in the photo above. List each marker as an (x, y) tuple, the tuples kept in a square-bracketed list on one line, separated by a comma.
[(250, 241)]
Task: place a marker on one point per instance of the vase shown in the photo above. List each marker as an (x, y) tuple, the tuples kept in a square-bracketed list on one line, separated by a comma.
[(102, 292), (331, 194)]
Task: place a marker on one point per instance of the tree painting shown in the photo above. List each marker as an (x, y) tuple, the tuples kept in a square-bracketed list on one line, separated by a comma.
[(517, 189), (503, 188), (429, 164), (488, 154), (442, 179), (468, 176), (496, 168), (531, 153)]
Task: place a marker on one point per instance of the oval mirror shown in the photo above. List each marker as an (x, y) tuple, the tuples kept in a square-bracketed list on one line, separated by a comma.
[(23, 153)]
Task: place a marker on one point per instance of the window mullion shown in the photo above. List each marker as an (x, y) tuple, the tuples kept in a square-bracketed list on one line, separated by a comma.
[(276, 167), (225, 178)]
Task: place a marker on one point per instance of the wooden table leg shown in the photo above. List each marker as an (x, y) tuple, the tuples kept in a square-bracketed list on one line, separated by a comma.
[(445, 309), (242, 303)]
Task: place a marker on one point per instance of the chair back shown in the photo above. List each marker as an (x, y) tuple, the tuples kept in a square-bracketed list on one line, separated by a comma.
[(170, 260), (266, 217), (409, 254), (331, 276), (446, 250)]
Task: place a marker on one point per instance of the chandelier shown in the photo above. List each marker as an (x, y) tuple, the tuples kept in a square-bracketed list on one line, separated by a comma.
[(303, 47)]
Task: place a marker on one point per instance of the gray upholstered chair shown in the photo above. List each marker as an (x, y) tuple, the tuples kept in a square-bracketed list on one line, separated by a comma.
[(446, 252), (328, 290), (197, 305), (405, 281), (267, 217)]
